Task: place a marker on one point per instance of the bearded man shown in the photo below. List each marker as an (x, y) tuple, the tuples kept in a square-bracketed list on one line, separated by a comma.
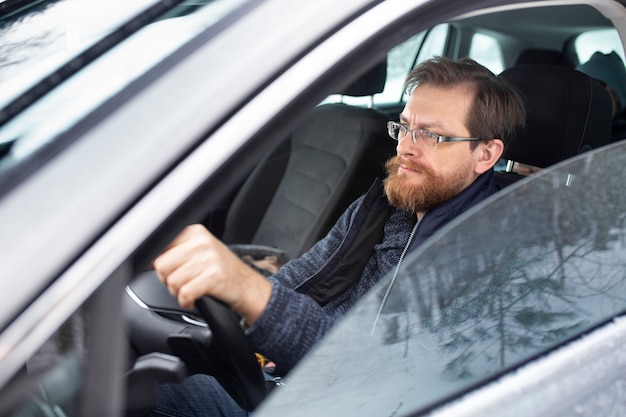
[(451, 133)]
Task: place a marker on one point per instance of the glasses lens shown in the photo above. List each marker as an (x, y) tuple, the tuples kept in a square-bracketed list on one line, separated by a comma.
[(428, 137)]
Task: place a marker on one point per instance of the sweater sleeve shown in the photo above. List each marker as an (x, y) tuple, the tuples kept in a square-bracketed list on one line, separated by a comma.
[(289, 327), (292, 323)]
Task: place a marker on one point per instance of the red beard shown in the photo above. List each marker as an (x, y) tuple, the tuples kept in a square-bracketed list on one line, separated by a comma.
[(434, 190)]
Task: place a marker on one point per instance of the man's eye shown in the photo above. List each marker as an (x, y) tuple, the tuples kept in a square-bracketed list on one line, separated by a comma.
[(430, 135)]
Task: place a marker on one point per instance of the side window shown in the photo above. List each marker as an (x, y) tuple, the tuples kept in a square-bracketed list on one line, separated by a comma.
[(405, 56), (605, 41), (435, 42), (486, 50), (400, 61)]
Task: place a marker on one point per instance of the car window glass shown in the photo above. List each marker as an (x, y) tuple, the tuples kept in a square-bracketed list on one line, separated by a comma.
[(35, 43), (400, 61), (486, 50), (435, 43), (50, 383), (605, 41), (29, 131), (540, 263)]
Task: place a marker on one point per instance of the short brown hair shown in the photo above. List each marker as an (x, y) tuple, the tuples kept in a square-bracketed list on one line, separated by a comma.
[(498, 109)]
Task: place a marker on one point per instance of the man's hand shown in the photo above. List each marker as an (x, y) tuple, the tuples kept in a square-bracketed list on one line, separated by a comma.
[(196, 263)]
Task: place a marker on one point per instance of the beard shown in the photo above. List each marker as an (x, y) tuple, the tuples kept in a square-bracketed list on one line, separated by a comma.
[(434, 189)]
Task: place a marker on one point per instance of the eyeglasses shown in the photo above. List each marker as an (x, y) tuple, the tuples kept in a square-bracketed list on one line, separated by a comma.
[(397, 131)]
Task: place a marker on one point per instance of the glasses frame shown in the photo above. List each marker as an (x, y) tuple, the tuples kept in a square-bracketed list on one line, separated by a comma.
[(393, 126)]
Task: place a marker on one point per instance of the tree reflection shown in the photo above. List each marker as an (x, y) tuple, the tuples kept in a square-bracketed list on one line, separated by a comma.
[(27, 40)]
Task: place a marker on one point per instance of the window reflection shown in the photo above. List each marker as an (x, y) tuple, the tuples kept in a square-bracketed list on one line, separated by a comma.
[(49, 385)]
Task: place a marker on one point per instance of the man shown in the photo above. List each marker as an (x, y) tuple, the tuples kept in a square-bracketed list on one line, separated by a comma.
[(452, 131)]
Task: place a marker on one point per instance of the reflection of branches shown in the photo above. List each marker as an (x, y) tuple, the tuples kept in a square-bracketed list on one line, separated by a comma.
[(14, 51), (26, 40), (508, 309), (19, 52), (524, 303)]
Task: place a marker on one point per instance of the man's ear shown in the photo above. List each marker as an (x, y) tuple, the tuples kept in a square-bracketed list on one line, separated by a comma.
[(488, 154)]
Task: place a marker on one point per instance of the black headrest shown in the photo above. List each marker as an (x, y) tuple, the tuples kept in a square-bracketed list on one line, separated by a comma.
[(370, 83), (543, 57), (567, 113)]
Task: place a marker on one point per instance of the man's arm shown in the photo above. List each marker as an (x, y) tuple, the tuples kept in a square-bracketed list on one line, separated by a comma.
[(289, 327), (196, 263)]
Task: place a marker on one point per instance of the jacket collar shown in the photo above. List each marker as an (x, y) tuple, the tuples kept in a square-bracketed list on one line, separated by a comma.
[(483, 187)]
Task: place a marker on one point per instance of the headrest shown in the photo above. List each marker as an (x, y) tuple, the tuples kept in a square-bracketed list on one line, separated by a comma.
[(543, 57), (567, 112), (370, 83)]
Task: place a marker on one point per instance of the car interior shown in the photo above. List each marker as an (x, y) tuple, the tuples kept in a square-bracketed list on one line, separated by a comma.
[(296, 192), (555, 92)]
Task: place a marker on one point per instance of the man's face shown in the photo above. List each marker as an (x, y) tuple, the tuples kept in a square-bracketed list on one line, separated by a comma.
[(421, 176)]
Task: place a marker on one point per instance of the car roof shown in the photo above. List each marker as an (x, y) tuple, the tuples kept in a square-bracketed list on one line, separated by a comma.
[(551, 28)]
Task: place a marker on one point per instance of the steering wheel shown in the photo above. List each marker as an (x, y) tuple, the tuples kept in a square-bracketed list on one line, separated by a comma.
[(249, 388)]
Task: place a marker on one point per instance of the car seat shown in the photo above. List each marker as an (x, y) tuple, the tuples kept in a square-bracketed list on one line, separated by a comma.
[(293, 197), (533, 56), (567, 113)]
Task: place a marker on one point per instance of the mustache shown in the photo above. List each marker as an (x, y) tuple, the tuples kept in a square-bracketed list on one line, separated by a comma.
[(393, 163)]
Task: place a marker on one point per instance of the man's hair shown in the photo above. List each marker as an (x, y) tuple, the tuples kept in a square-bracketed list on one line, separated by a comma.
[(498, 109)]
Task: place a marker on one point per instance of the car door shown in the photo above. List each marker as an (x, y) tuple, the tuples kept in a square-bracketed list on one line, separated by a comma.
[(518, 304)]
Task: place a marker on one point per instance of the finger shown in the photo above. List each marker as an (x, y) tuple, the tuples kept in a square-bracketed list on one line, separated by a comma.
[(185, 272), (193, 290), (186, 238), (186, 251)]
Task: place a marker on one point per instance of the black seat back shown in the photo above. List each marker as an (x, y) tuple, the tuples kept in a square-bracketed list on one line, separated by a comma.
[(296, 194), (567, 113)]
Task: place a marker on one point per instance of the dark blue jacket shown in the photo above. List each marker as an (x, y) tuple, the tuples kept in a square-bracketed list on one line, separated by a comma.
[(305, 301)]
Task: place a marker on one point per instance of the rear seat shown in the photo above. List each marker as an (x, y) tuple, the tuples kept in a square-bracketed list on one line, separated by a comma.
[(567, 113)]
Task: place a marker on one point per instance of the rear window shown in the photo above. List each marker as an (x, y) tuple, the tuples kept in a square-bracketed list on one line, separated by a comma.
[(486, 50), (605, 41)]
